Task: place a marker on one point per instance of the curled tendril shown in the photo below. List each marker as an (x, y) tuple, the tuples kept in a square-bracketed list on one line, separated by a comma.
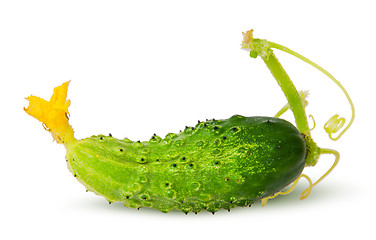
[(302, 196), (314, 122), (334, 124)]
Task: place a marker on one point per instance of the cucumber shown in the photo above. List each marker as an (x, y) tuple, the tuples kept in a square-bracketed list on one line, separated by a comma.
[(216, 164)]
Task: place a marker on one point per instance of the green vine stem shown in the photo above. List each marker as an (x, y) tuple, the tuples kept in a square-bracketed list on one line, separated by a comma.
[(260, 47), (288, 88)]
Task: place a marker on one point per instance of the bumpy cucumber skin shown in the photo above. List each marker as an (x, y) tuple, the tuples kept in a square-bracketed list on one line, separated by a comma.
[(216, 164)]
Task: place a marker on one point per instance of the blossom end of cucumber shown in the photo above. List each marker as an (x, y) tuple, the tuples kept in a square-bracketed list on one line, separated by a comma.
[(53, 114)]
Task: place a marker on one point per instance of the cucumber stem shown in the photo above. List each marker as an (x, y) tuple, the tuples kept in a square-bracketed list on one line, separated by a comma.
[(296, 102), (288, 88), (260, 47)]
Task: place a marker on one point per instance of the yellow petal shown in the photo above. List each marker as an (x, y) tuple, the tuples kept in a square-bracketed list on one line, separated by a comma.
[(53, 113)]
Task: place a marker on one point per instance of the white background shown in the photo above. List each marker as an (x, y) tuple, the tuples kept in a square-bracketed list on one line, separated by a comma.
[(144, 67)]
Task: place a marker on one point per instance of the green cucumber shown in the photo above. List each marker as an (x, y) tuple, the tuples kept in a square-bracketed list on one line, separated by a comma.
[(216, 164)]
